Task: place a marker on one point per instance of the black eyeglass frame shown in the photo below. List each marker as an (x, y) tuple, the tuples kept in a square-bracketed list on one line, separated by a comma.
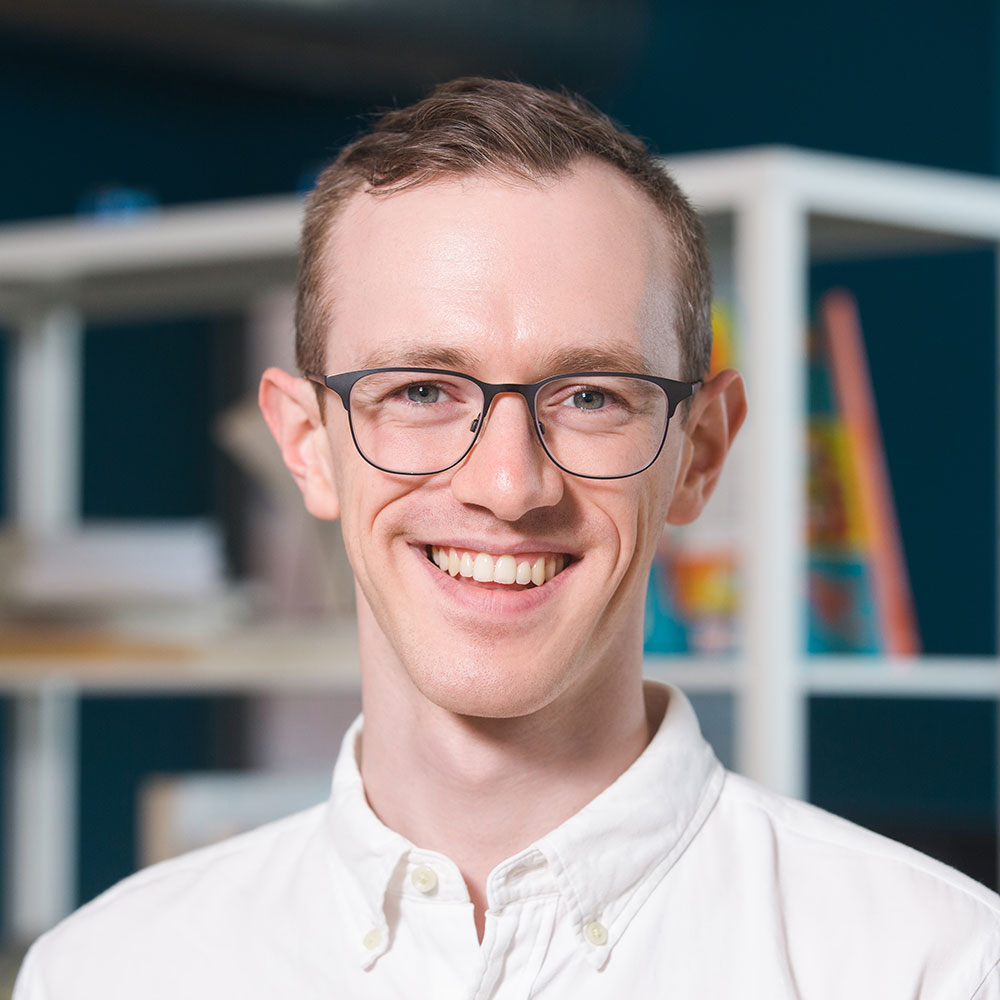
[(342, 384)]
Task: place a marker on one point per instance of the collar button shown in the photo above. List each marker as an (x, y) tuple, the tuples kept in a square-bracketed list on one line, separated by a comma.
[(596, 933), (424, 879)]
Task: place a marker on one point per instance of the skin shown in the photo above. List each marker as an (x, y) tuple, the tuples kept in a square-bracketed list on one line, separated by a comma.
[(511, 708)]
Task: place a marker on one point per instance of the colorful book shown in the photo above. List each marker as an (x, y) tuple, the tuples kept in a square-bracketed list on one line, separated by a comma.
[(859, 592)]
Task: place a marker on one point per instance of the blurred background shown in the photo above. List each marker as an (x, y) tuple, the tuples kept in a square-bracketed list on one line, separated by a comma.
[(169, 639)]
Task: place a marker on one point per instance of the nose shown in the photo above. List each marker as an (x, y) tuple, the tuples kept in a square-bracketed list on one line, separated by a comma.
[(507, 471)]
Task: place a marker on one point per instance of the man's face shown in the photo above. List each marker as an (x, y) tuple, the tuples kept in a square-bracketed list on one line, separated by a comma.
[(510, 282)]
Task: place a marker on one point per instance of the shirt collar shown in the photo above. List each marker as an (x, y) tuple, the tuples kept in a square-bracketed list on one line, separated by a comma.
[(606, 859), (614, 852), (364, 852)]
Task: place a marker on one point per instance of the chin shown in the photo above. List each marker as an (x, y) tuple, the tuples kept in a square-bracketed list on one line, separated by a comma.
[(487, 691)]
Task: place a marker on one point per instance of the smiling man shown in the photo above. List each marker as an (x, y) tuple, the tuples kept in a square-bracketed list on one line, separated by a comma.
[(514, 702), (503, 334)]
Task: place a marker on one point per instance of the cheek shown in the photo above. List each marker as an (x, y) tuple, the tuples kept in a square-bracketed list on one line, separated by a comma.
[(358, 490), (623, 515), (376, 511), (640, 522)]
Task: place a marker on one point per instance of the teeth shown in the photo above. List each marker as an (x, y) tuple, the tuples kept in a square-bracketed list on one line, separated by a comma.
[(482, 568), (465, 564), (506, 569)]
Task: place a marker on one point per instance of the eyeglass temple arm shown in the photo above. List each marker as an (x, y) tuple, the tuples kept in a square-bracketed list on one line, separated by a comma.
[(693, 387), (321, 380)]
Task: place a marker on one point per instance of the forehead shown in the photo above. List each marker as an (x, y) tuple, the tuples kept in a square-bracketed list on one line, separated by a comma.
[(502, 274)]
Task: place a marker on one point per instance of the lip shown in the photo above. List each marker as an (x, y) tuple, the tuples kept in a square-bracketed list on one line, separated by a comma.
[(500, 603)]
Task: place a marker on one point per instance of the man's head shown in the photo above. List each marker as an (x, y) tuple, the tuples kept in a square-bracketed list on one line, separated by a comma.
[(496, 128), (510, 275)]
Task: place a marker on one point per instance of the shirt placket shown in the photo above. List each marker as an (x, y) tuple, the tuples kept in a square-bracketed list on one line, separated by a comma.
[(524, 903)]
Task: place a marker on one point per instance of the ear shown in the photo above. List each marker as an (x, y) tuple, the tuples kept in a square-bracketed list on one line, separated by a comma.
[(292, 413), (716, 413)]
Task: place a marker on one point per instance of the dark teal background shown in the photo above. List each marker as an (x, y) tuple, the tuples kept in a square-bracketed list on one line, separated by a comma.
[(918, 770)]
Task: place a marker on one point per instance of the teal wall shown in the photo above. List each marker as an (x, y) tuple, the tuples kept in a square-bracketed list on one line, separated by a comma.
[(915, 82)]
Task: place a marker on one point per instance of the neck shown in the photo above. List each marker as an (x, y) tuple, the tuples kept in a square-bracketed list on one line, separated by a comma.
[(480, 790)]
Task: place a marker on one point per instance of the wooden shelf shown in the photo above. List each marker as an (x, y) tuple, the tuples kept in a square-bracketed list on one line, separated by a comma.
[(252, 660)]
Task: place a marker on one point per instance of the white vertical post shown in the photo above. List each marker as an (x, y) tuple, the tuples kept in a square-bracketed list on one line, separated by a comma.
[(43, 480), (45, 377), (41, 822), (770, 261)]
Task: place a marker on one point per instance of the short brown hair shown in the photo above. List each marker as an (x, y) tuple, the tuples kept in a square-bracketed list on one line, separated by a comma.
[(474, 125)]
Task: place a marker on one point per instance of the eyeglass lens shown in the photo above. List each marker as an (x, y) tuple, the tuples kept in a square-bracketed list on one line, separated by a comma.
[(604, 426)]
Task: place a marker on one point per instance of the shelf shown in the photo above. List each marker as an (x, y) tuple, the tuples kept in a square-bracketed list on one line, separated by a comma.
[(889, 200), (899, 677), (312, 657), (196, 258)]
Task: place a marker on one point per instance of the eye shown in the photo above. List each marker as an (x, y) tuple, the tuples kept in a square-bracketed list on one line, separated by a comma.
[(422, 393), (587, 399)]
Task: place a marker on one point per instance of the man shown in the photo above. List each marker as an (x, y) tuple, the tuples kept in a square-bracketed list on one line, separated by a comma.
[(509, 302)]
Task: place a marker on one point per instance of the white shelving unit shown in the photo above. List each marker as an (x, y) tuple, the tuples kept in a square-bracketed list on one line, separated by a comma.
[(776, 209), (783, 208)]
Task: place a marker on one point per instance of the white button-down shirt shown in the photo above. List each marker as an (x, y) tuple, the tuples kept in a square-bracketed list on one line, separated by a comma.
[(679, 880)]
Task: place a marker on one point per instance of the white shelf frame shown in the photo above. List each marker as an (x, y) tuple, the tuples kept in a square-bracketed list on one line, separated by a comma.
[(785, 206)]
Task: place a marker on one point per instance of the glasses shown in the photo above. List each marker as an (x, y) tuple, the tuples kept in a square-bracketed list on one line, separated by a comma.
[(421, 421)]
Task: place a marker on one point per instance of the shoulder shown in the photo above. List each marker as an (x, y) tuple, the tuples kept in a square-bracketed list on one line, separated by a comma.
[(851, 903), (799, 828), (231, 866), (219, 897)]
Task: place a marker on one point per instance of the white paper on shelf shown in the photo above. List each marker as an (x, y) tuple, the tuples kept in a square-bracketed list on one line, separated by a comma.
[(180, 813), (123, 562)]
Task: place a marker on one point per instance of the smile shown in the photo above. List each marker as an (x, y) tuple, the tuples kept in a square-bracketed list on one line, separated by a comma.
[(505, 569)]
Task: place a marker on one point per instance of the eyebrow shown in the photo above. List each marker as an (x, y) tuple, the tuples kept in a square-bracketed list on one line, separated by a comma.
[(619, 358), (417, 355)]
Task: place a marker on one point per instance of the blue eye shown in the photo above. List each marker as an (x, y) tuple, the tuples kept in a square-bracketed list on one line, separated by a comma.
[(422, 393)]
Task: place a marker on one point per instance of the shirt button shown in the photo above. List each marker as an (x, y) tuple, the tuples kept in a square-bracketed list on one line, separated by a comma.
[(424, 879), (596, 933), (372, 939)]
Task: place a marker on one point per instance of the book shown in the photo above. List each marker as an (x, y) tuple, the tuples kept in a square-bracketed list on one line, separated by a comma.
[(859, 593)]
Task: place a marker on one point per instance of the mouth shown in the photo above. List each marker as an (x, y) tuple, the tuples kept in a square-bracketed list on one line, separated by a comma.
[(516, 572)]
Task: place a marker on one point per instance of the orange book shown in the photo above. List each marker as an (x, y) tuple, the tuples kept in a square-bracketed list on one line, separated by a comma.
[(865, 485)]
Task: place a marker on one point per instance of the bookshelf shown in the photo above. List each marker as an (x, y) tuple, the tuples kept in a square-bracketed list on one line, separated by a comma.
[(770, 211)]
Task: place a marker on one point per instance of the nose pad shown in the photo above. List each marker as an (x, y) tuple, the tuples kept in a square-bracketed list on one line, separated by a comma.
[(474, 426), (479, 420), (478, 425)]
